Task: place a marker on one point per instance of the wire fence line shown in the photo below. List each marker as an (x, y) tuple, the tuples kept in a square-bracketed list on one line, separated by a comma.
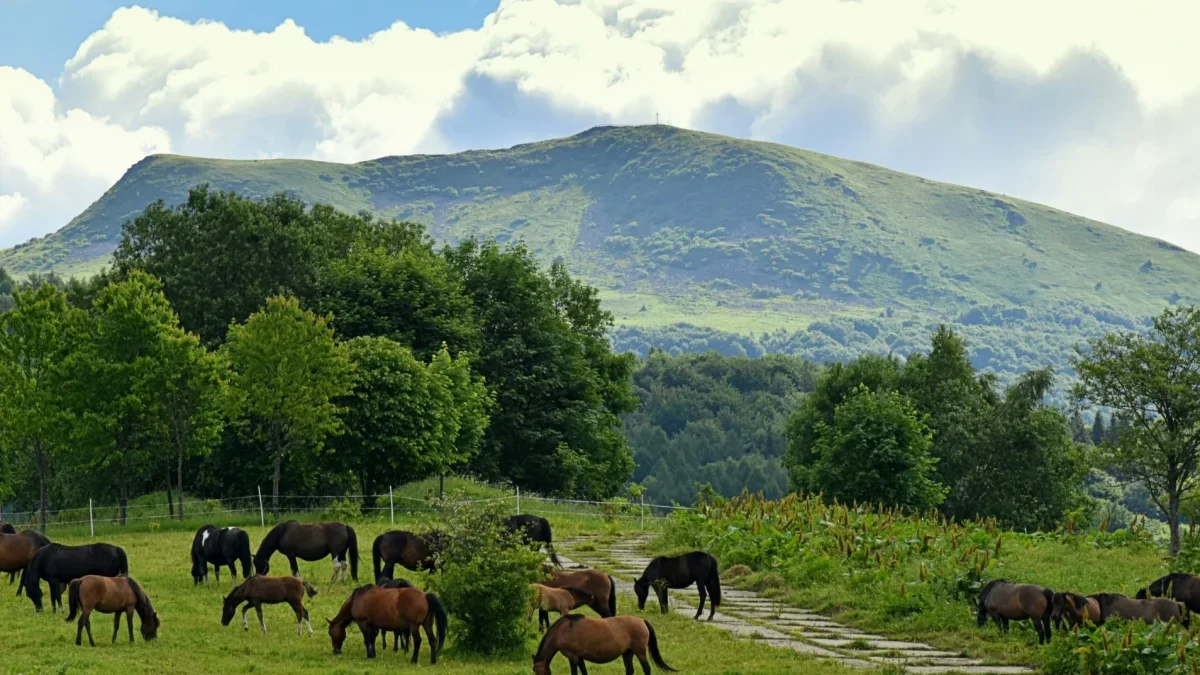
[(383, 506)]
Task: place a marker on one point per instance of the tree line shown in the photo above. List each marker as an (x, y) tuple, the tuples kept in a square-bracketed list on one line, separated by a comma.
[(237, 341)]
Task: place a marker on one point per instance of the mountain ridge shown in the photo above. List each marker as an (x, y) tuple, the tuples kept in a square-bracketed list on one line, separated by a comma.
[(727, 234)]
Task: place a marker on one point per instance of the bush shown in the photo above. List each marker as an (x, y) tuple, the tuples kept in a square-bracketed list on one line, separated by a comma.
[(1122, 647), (342, 510), (484, 581)]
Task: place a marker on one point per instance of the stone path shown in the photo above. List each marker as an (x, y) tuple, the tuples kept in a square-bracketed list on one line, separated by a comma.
[(750, 615)]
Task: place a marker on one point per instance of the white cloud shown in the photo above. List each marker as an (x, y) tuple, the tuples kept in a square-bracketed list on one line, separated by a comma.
[(10, 206), (1085, 106)]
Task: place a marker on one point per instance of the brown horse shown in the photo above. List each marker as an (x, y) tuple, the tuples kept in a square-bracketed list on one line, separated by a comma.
[(16, 550), (374, 608), (414, 551), (1115, 605), (111, 595), (259, 590), (1178, 586), (595, 583), (1075, 608), (1002, 602), (561, 600), (581, 639)]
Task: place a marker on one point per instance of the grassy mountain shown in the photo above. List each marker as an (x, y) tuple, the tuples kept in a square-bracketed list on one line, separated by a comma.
[(703, 241)]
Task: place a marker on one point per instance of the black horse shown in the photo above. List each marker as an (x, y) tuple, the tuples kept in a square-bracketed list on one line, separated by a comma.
[(1178, 586), (59, 565), (681, 571), (535, 530), (219, 546), (414, 551), (310, 541), (400, 639), (7, 528)]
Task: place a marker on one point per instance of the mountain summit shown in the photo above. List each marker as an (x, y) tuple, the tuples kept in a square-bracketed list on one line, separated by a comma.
[(730, 235)]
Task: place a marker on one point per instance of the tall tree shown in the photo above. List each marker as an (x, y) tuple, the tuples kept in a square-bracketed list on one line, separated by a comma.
[(119, 379), (1152, 380), (7, 286), (406, 420), (1079, 432), (34, 341), (1099, 435), (287, 372), (559, 388), (193, 401)]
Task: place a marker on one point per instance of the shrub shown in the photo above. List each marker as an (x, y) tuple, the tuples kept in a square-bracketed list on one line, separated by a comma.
[(1122, 647), (342, 510), (484, 581)]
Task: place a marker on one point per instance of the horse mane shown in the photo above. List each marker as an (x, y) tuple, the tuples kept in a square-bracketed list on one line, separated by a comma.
[(563, 619), (989, 587), (141, 602), (40, 538), (270, 543)]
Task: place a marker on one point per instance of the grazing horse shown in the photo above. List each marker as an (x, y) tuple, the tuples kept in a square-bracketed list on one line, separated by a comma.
[(259, 590), (681, 571), (581, 639), (374, 609), (400, 637), (413, 551), (111, 595), (561, 600), (1178, 586), (595, 583), (534, 530), (1002, 602), (1075, 608), (59, 565), (16, 550), (1115, 605), (310, 541), (216, 546)]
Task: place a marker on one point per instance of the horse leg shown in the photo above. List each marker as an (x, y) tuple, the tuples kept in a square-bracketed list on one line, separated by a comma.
[(217, 573), (246, 608), (414, 631), (628, 658), (433, 651), (79, 629), (87, 623), (55, 595), (703, 597), (645, 664), (574, 667), (582, 667), (543, 618), (261, 621), (307, 623), (295, 567), (116, 626), (368, 638), (128, 621)]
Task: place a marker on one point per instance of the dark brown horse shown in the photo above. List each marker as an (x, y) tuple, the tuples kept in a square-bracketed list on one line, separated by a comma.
[(310, 541), (7, 528), (1075, 608), (595, 583), (111, 595), (16, 550), (414, 551), (259, 590), (534, 530), (681, 571), (1004, 602), (581, 639), (1115, 605), (59, 565), (374, 609), (1178, 586)]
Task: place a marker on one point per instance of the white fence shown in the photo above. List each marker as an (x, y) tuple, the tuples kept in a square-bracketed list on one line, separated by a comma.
[(375, 507)]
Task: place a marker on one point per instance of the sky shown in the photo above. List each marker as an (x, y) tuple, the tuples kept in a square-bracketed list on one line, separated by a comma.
[(1092, 107)]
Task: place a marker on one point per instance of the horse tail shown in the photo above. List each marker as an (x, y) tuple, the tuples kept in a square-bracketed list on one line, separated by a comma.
[(122, 562), (439, 614), (550, 543), (243, 551), (612, 596), (352, 543), (377, 557), (654, 653), (74, 603), (714, 582)]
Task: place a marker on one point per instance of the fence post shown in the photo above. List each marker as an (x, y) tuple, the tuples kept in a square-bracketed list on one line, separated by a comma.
[(262, 518), (392, 505), (642, 498), (91, 518), (518, 501)]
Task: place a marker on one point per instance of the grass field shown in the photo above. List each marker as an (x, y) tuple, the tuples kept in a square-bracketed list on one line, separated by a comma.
[(192, 639)]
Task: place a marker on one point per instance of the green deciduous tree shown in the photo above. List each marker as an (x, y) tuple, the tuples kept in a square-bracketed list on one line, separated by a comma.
[(287, 372), (875, 451), (1153, 381), (34, 341), (406, 420)]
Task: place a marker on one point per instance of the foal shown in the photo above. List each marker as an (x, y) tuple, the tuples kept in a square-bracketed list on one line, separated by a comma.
[(561, 600), (111, 595), (259, 590), (581, 639)]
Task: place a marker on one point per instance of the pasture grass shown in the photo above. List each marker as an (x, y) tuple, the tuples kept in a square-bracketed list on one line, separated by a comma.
[(192, 639)]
